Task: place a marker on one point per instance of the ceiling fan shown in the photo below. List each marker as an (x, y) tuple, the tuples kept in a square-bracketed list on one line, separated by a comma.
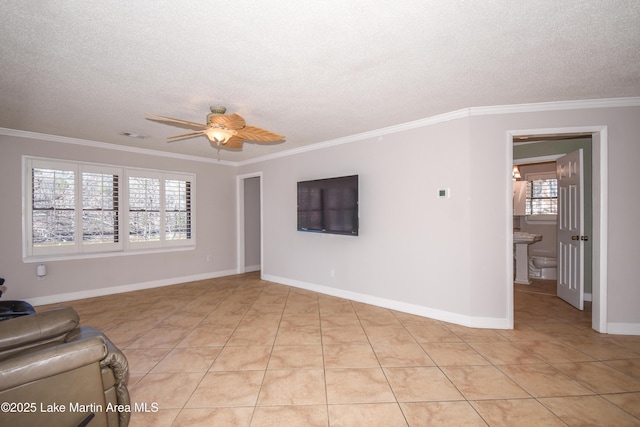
[(222, 130)]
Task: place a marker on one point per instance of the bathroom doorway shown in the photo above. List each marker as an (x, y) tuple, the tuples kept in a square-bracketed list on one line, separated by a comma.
[(550, 144), (553, 257)]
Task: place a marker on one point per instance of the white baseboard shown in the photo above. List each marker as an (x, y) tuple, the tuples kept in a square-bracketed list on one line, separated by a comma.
[(623, 328), (432, 313), (250, 268), (91, 293)]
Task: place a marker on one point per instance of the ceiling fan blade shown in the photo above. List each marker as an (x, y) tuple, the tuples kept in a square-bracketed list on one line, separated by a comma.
[(230, 121), (183, 122), (254, 133), (234, 142), (187, 135)]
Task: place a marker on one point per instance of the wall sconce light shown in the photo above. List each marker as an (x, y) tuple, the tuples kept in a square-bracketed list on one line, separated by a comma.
[(516, 172)]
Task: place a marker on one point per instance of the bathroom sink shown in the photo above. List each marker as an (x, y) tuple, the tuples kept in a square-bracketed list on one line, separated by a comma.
[(522, 237), (521, 241)]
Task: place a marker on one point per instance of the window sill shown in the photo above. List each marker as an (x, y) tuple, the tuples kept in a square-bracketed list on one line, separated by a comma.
[(541, 219), (90, 255)]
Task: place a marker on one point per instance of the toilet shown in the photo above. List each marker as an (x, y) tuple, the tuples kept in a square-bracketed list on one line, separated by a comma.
[(543, 267)]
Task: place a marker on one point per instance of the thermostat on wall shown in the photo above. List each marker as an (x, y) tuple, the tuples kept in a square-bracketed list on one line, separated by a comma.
[(444, 193)]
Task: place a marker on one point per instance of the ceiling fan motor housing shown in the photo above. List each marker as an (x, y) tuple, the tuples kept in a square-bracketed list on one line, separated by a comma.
[(216, 110)]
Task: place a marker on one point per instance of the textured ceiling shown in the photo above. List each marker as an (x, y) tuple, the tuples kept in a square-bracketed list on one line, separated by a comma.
[(313, 71)]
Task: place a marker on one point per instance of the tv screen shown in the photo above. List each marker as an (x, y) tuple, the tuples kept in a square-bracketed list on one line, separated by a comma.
[(329, 205)]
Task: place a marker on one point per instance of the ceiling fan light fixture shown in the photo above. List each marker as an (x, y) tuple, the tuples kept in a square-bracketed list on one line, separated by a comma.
[(219, 135)]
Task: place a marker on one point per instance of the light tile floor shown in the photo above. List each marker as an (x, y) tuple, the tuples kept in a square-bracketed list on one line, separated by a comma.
[(239, 351)]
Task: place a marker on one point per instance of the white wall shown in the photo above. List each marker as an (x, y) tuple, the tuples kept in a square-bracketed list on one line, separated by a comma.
[(442, 258), (71, 279), (622, 127), (412, 248)]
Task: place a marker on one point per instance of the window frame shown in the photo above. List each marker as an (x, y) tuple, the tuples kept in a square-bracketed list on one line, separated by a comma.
[(123, 246)]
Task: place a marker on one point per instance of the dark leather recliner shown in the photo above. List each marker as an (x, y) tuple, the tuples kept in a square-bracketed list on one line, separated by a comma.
[(54, 372)]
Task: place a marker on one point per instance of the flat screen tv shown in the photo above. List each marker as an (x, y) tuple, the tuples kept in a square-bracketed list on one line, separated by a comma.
[(329, 205)]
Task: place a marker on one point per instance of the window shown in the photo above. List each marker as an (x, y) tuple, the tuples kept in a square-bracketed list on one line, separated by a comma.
[(177, 209), (100, 214), (76, 208), (53, 206), (542, 197), (144, 209), (160, 209)]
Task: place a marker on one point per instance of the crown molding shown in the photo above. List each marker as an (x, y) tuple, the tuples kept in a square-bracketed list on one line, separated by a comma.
[(107, 146), (556, 106), (428, 121), (360, 136), (458, 114)]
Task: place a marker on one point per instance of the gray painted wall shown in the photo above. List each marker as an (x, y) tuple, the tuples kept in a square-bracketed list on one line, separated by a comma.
[(252, 224), (445, 257)]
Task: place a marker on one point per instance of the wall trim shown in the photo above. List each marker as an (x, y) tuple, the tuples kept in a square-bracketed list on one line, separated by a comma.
[(431, 120), (432, 313), (458, 114), (109, 146), (556, 106), (623, 328), (91, 293)]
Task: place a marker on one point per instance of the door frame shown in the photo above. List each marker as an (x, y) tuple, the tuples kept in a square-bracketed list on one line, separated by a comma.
[(240, 231), (599, 135)]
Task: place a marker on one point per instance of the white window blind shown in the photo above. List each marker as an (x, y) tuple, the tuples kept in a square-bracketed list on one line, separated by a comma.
[(160, 209), (75, 208), (100, 203), (177, 209), (144, 209), (53, 206), (542, 197)]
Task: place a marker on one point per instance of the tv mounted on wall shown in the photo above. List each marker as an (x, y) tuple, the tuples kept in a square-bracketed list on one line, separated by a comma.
[(329, 205)]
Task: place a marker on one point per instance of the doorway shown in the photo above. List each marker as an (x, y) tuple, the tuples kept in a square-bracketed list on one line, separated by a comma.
[(598, 210), (249, 232), (547, 198)]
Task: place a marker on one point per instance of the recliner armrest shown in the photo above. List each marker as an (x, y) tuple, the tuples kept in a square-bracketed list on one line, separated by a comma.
[(114, 358), (34, 328), (115, 361), (30, 366)]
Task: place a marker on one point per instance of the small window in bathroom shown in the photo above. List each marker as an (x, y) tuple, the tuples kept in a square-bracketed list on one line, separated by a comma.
[(542, 197)]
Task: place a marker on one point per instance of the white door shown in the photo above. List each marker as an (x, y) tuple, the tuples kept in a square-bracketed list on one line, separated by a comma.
[(571, 229)]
